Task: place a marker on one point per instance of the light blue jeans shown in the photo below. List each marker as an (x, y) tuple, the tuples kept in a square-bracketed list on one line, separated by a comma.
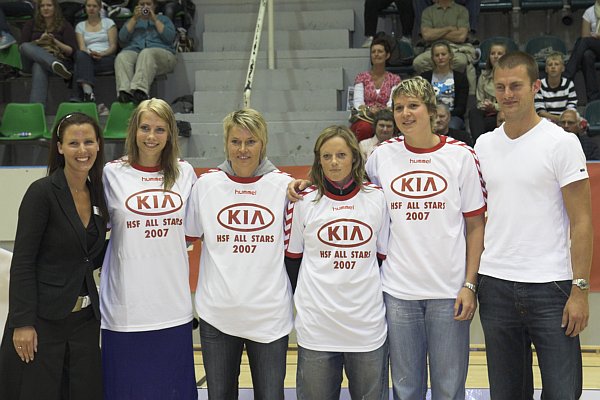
[(39, 62), (319, 374), (418, 329)]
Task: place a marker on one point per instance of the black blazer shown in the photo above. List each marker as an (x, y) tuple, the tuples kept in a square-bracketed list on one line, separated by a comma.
[(461, 92), (51, 260)]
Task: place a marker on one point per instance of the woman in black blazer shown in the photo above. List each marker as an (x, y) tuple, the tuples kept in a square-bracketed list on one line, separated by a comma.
[(50, 348)]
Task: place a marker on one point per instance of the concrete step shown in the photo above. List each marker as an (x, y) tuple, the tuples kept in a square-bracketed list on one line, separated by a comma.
[(284, 40), (289, 20), (272, 100), (277, 79)]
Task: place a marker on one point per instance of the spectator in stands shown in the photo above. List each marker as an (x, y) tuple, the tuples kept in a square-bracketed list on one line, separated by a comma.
[(442, 127), (448, 21), (97, 40), (451, 87), (586, 52), (383, 124), (144, 291), (482, 118), (51, 340), (12, 9), (472, 6), (372, 9), (373, 88), (148, 50), (47, 45), (557, 92), (168, 8), (571, 121)]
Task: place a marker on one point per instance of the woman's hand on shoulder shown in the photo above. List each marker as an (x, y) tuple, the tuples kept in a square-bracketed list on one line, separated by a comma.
[(25, 341), (295, 187)]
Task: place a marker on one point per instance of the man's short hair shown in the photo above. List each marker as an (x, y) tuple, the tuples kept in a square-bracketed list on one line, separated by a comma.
[(516, 58), (382, 115)]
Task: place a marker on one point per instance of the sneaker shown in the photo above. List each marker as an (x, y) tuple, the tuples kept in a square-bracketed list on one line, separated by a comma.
[(367, 42), (406, 39), (59, 69), (6, 40), (103, 111), (89, 98)]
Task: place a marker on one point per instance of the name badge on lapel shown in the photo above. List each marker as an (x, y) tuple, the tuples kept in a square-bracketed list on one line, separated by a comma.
[(97, 211)]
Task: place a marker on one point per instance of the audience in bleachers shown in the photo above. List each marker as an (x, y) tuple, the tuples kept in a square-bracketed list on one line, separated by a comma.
[(148, 50), (451, 87), (482, 118), (383, 124), (448, 21), (15, 9), (373, 88), (47, 46), (97, 42), (442, 127), (6, 38), (557, 93), (586, 52), (571, 121), (372, 9)]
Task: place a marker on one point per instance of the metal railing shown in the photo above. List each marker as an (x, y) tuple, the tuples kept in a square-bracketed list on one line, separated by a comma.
[(264, 4)]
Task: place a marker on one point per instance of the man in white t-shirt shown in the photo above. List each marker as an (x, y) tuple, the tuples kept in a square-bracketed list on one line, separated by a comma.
[(534, 271)]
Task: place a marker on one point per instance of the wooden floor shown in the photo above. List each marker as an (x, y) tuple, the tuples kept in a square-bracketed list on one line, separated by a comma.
[(476, 379)]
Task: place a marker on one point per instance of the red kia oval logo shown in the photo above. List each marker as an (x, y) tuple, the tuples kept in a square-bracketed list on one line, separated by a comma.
[(154, 202), (345, 233), (245, 217), (419, 184)]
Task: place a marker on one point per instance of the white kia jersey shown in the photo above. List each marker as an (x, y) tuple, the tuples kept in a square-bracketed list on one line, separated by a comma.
[(527, 232), (429, 193), (145, 276), (243, 289), (339, 298)]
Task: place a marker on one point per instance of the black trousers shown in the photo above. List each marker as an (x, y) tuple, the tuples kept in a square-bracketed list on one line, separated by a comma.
[(586, 53)]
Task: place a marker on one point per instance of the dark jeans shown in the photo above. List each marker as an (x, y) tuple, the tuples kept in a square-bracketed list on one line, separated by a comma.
[(222, 354), (86, 68), (372, 8), (586, 53), (479, 123), (513, 316)]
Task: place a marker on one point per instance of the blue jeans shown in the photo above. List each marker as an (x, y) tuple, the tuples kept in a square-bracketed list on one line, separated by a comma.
[(319, 374), (513, 316), (418, 329), (86, 67), (39, 62), (222, 354)]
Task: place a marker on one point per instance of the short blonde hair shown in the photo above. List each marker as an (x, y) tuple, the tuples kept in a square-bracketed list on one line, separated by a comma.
[(253, 121), (420, 88), (555, 55)]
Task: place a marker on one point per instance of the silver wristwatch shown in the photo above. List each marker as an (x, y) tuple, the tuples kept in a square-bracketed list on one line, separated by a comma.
[(581, 283)]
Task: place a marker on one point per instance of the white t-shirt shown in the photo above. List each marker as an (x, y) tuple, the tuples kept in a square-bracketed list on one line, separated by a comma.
[(339, 298), (96, 41), (429, 193), (590, 16), (145, 276), (243, 289), (527, 232)]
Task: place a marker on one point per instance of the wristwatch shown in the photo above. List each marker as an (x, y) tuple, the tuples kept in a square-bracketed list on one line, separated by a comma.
[(471, 286), (581, 283)]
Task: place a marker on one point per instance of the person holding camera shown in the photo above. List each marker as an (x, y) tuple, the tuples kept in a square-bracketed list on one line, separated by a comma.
[(148, 46)]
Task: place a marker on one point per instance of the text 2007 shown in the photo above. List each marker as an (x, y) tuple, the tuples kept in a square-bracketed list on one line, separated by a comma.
[(417, 216), (244, 248), (344, 264), (155, 233)]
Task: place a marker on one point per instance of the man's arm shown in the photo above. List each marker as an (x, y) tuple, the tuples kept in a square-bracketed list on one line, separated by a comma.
[(577, 199)]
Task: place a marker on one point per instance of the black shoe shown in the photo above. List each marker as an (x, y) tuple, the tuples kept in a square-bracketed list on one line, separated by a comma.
[(89, 97), (124, 97), (139, 96), (59, 69)]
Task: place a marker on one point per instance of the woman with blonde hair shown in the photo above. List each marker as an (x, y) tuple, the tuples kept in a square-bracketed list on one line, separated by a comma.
[(337, 236), (244, 298), (144, 292)]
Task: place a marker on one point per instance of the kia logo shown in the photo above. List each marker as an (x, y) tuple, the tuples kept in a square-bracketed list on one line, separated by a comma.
[(245, 217), (419, 184), (154, 202), (345, 233)]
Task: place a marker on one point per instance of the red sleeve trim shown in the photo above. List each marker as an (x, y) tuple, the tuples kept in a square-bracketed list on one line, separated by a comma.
[(191, 238), (476, 212), (293, 255), (381, 256)]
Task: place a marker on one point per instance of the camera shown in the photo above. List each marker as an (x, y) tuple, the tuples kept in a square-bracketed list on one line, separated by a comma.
[(145, 11)]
